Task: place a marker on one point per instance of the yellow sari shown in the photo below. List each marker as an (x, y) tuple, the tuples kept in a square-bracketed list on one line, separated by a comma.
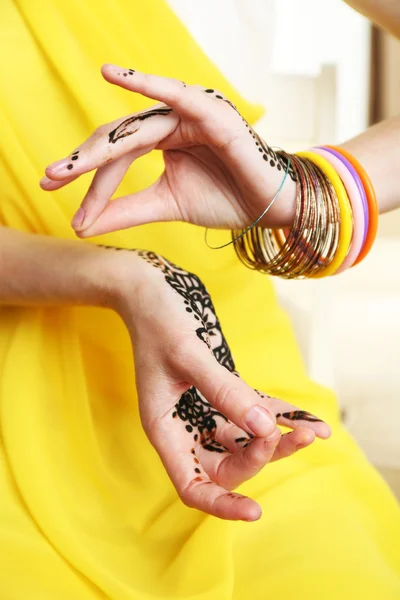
[(86, 509)]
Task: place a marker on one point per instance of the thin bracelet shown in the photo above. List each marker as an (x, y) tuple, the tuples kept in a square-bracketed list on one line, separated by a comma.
[(359, 225), (371, 198), (346, 225), (256, 221)]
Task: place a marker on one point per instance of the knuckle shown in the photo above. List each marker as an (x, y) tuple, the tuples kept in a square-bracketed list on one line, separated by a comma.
[(182, 353), (182, 356)]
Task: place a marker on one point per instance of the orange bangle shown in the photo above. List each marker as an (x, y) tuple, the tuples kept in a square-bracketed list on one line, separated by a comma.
[(371, 200)]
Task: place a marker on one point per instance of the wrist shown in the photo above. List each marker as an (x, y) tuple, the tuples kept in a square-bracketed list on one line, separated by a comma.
[(114, 275), (123, 284)]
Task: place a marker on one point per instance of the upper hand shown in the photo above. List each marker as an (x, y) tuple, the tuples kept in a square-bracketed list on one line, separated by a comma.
[(218, 172), (195, 409)]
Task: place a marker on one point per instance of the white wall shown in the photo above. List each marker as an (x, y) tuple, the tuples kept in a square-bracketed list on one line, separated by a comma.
[(253, 40), (311, 33)]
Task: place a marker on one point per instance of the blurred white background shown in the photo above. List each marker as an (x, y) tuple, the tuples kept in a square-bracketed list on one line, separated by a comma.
[(309, 64)]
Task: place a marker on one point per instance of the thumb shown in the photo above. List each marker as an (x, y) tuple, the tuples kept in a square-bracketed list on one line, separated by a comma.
[(228, 393), (147, 206)]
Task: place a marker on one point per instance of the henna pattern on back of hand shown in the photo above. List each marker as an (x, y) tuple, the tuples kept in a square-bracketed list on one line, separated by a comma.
[(192, 408), (268, 154)]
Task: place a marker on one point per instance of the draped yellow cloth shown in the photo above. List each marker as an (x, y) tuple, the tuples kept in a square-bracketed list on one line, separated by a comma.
[(86, 509)]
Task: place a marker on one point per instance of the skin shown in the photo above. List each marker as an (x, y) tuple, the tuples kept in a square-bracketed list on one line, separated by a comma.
[(385, 13), (170, 358), (217, 171), (72, 273)]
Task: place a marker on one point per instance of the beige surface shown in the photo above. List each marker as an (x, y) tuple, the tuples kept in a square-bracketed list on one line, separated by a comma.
[(392, 476)]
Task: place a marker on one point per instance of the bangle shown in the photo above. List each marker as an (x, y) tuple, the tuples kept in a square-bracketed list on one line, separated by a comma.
[(371, 199), (359, 184), (346, 225), (312, 241), (359, 225), (324, 239)]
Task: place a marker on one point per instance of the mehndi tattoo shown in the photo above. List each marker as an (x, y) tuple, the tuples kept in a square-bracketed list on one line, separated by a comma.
[(299, 415), (199, 416), (74, 156), (268, 154), (192, 407), (125, 128)]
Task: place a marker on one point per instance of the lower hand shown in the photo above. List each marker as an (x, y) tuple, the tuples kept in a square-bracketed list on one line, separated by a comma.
[(210, 429)]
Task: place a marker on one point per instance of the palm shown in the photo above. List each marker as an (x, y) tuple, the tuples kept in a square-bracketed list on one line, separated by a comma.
[(201, 189)]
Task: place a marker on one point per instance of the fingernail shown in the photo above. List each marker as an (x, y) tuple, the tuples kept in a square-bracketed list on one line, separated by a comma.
[(59, 165), (78, 219), (260, 421)]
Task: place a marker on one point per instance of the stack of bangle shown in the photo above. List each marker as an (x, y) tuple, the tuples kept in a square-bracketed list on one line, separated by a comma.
[(335, 223)]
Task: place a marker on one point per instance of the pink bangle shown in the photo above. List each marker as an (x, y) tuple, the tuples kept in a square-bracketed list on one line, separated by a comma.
[(355, 198)]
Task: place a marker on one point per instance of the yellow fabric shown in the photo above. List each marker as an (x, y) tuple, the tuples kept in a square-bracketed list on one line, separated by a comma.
[(86, 509)]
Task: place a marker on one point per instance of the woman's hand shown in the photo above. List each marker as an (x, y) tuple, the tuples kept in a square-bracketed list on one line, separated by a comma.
[(210, 429), (218, 172)]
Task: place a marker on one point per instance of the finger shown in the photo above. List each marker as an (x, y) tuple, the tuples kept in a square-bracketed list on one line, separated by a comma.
[(292, 442), (48, 185), (231, 437), (230, 470), (185, 100), (191, 481), (149, 205), (291, 416), (229, 395), (140, 132), (103, 186)]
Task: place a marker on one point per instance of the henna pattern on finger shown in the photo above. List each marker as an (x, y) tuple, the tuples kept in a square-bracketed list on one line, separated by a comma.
[(74, 156), (299, 415), (294, 415), (124, 129)]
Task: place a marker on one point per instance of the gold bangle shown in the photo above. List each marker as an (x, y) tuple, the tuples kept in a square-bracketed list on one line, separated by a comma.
[(346, 217)]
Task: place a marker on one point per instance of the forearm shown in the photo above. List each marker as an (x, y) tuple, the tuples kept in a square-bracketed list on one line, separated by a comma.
[(378, 150), (39, 270), (385, 13)]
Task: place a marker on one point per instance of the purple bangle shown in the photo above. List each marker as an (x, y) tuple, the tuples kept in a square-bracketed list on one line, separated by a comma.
[(359, 184)]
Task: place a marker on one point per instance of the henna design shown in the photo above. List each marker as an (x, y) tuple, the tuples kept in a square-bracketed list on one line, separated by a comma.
[(198, 302), (192, 407), (199, 416), (299, 415), (124, 129), (294, 415), (74, 156), (268, 154), (130, 72)]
